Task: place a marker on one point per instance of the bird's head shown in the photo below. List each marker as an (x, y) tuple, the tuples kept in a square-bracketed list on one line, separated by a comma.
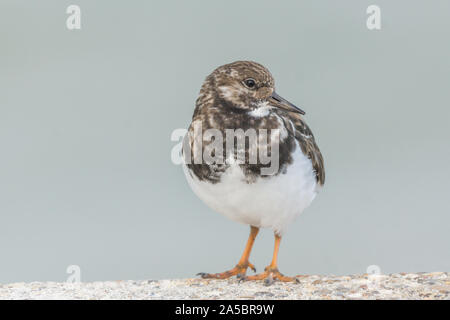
[(245, 86)]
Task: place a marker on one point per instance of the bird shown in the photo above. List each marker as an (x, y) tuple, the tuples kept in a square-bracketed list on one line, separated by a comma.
[(241, 96)]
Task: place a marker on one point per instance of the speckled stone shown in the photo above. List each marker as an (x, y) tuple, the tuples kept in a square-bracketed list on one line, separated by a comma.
[(434, 285)]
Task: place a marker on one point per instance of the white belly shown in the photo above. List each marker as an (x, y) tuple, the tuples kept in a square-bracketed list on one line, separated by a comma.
[(272, 202)]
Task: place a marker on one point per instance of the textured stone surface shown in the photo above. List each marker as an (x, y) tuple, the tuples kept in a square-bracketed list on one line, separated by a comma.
[(434, 285)]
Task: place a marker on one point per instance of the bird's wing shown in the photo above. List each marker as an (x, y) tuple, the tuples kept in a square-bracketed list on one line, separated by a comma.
[(305, 138)]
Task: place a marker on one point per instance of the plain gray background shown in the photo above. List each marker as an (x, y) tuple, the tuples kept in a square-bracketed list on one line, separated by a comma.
[(86, 117)]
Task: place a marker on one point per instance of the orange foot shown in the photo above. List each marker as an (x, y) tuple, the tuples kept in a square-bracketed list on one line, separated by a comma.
[(239, 270), (269, 275)]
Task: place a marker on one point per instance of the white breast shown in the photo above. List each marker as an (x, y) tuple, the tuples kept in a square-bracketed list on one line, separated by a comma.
[(272, 202)]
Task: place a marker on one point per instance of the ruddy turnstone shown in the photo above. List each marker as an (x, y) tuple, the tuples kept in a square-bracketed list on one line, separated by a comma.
[(237, 98)]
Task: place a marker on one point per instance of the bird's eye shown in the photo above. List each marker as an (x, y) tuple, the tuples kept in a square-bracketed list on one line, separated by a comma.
[(250, 83)]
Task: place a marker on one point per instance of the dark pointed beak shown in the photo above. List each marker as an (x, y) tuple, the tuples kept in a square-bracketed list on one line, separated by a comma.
[(280, 102)]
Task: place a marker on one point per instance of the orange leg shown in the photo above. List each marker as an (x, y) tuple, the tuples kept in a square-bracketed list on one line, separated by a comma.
[(271, 272), (241, 268)]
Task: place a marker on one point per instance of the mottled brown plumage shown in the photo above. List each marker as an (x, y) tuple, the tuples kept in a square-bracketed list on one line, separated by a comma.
[(231, 110)]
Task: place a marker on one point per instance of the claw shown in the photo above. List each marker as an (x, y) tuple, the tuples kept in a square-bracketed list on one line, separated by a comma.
[(270, 274), (239, 270)]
